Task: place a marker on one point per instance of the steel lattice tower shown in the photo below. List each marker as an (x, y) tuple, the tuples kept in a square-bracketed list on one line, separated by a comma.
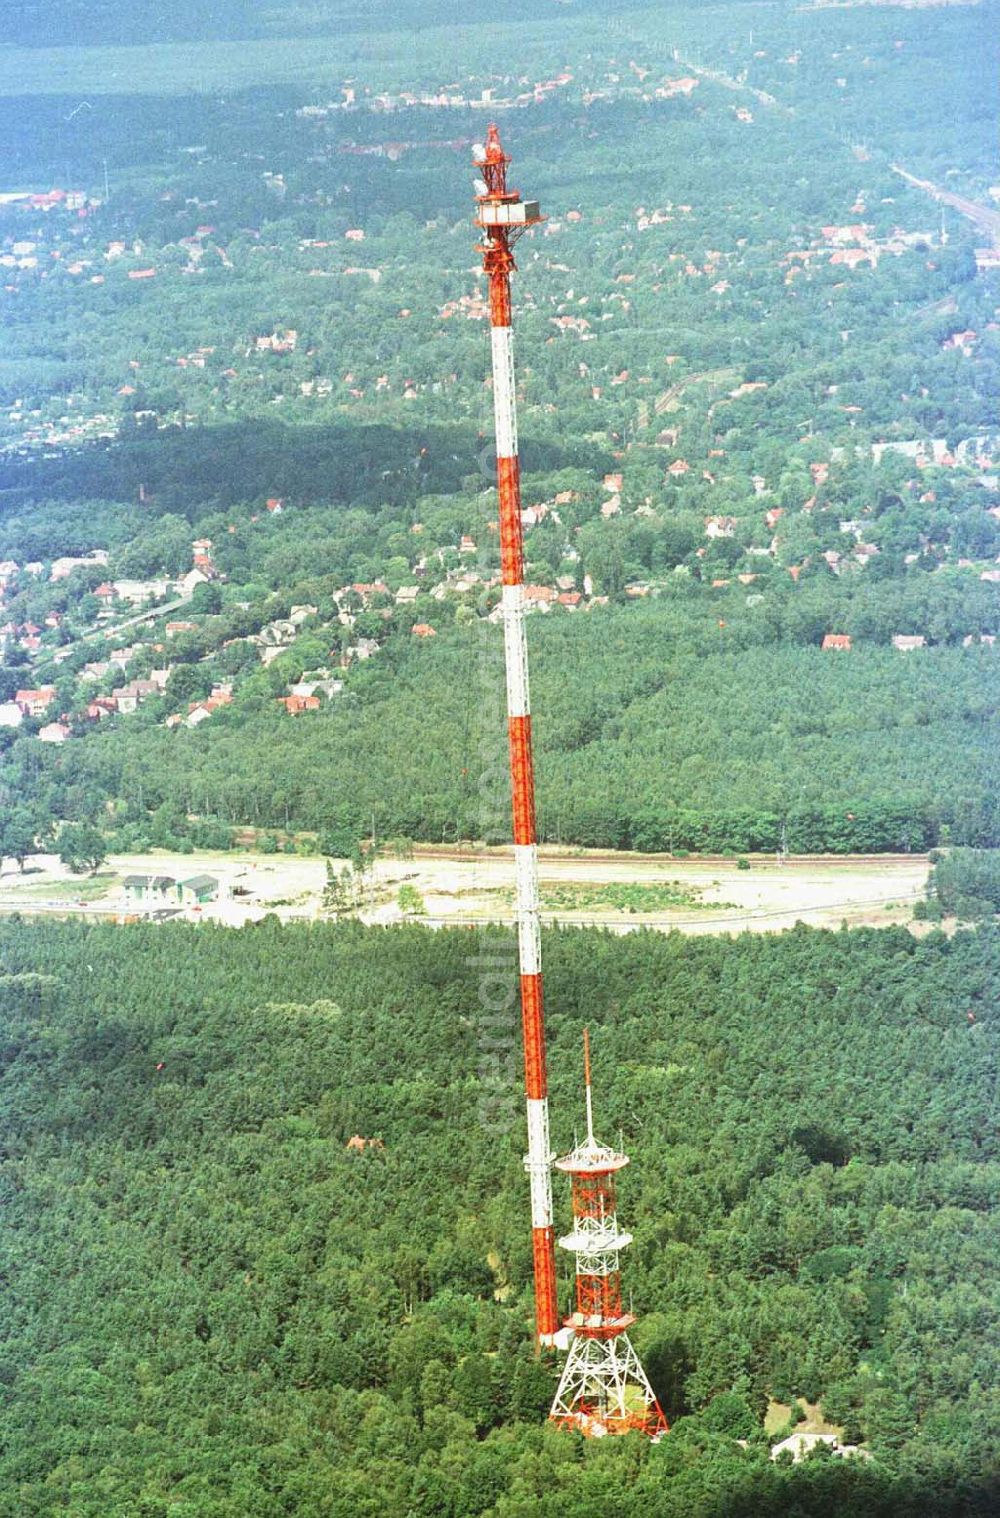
[(603, 1388), (503, 217)]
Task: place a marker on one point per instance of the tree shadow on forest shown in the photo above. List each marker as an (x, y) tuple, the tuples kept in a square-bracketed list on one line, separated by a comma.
[(192, 470)]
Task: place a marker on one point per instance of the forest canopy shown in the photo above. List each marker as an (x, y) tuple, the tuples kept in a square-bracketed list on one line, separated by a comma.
[(214, 1305)]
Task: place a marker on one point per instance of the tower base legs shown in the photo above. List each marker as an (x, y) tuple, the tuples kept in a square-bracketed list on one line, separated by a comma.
[(604, 1390)]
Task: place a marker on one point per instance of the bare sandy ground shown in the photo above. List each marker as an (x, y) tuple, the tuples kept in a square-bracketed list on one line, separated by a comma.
[(767, 897), (457, 887)]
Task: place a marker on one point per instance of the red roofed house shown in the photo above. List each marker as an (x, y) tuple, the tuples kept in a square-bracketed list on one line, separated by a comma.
[(278, 342), (53, 732), (46, 199), (35, 703), (297, 704), (539, 595), (423, 630), (837, 640), (200, 711), (532, 515), (963, 340), (853, 256)]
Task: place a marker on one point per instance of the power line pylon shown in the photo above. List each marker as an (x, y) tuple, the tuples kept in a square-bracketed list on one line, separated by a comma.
[(603, 1388), (502, 217)]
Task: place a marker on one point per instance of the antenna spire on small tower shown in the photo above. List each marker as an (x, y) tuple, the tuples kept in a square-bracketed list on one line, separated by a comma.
[(586, 1084), (603, 1388)]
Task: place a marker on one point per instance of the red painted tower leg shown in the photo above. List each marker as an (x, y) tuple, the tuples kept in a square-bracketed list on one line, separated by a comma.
[(502, 215)]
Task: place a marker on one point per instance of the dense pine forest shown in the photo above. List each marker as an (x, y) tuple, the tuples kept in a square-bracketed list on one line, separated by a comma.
[(214, 1307)]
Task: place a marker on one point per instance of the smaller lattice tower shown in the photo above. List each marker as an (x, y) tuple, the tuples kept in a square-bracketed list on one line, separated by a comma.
[(603, 1388)]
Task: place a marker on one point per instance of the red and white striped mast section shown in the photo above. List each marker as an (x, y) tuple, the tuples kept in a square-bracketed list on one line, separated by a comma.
[(503, 216)]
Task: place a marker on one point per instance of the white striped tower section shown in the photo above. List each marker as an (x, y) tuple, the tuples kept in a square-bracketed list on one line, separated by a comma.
[(502, 216)]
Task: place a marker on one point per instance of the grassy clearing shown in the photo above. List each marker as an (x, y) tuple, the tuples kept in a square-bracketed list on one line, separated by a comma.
[(623, 897), (80, 888)]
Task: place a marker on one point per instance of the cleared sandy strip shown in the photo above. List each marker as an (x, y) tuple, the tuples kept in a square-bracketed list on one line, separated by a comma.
[(457, 887)]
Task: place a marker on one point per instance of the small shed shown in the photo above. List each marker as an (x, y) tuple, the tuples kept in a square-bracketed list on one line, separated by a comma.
[(197, 890), (146, 889)]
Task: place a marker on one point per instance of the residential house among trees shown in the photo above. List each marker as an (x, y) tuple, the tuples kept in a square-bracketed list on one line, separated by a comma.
[(53, 732), (35, 703)]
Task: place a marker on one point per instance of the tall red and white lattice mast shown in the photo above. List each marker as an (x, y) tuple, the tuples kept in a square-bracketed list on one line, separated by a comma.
[(603, 1388), (503, 217)]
